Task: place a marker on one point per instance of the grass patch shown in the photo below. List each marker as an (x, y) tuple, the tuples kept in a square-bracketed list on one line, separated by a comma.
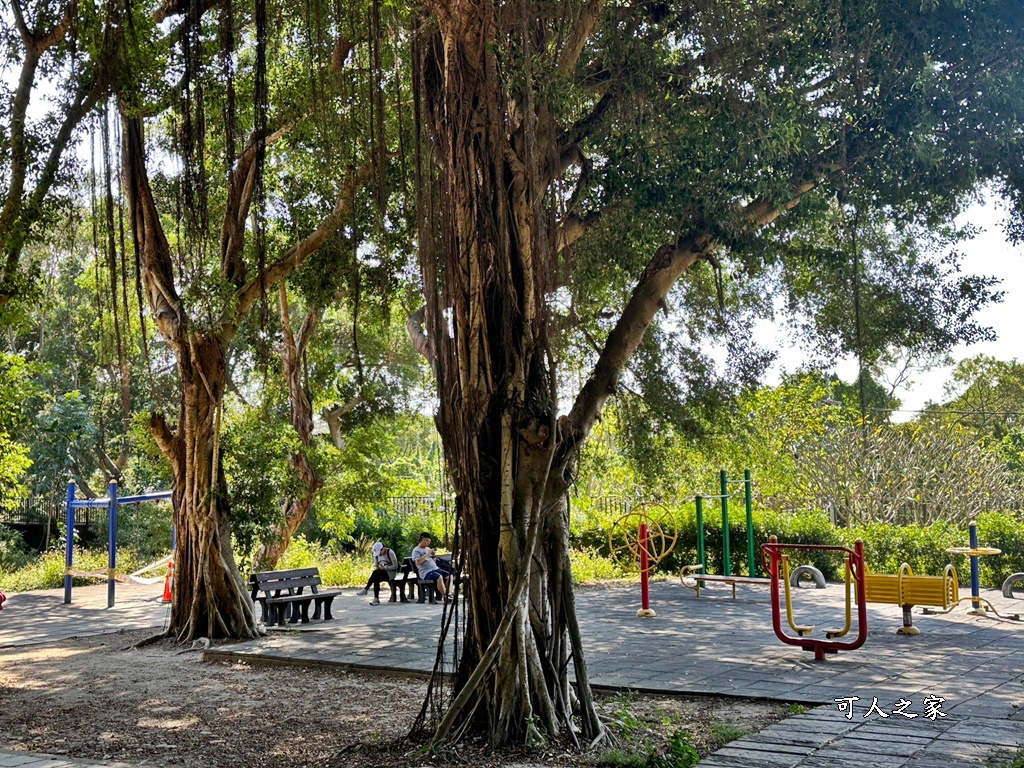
[(722, 733)]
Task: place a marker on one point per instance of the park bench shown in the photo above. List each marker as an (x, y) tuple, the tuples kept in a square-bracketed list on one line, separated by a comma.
[(425, 590), (283, 595), (906, 590)]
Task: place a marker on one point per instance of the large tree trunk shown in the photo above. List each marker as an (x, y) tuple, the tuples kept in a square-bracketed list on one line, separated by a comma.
[(210, 597), (496, 379)]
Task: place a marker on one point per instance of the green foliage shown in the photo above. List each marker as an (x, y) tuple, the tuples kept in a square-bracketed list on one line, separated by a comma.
[(13, 554), (678, 753), (339, 570), (16, 390), (625, 723), (47, 570), (720, 734), (1005, 531), (590, 566), (256, 452)]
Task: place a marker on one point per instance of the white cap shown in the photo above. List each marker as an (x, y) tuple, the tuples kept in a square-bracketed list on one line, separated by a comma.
[(377, 548)]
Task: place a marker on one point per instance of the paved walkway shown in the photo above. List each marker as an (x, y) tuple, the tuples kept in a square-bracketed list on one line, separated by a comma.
[(963, 671), (42, 617)]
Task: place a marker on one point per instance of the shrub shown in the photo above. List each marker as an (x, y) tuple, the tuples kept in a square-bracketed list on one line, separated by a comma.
[(13, 553), (47, 570), (589, 566), (1005, 531)]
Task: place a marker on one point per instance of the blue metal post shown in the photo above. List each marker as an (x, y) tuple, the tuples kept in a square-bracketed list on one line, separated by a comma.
[(972, 528), (111, 541), (69, 544)]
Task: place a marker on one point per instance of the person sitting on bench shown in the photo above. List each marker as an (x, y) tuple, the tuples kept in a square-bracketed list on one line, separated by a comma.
[(385, 568), (426, 566)]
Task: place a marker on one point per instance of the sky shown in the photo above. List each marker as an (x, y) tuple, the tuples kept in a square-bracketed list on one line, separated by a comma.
[(988, 253)]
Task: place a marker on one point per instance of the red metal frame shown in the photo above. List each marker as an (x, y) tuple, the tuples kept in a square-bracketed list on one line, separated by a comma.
[(771, 557)]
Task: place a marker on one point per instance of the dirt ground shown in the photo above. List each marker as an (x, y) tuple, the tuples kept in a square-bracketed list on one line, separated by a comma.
[(99, 698)]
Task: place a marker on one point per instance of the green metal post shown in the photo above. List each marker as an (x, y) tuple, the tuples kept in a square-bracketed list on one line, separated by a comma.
[(699, 501), (726, 554), (748, 500)]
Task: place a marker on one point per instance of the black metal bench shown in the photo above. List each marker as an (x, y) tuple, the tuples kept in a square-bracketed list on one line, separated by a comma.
[(282, 596)]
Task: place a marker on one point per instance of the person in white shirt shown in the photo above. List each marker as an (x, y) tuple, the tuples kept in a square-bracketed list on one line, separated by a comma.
[(385, 568)]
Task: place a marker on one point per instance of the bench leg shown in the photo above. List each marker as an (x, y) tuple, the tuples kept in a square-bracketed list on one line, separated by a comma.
[(908, 627), (327, 608), (422, 593), (316, 608)]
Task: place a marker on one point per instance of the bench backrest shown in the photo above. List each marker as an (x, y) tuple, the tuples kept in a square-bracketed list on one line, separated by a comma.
[(290, 582)]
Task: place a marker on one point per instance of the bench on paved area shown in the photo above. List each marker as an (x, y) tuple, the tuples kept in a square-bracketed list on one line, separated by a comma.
[(424, 589), (282, 595)]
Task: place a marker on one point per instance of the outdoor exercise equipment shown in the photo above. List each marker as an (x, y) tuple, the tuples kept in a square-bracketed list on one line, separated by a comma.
[(694, 576), (643, 535), (906, 590), (723, 497), (777, 565), (112, 502), (979, 605)]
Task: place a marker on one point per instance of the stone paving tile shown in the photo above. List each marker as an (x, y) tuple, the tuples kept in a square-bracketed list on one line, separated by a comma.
[(711, 645)]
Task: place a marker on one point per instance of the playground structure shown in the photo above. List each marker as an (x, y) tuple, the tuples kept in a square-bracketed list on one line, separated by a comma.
[(777, 565), (694, 576), (650, 546), (112, 502)]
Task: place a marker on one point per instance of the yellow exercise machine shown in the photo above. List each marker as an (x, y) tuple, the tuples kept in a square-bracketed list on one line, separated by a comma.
[(906, 590)]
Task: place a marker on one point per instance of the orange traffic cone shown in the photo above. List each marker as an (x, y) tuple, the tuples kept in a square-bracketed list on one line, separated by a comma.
[(168, 582)]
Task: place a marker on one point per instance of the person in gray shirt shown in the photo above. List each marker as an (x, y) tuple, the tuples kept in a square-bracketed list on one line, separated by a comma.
[(426, 566)]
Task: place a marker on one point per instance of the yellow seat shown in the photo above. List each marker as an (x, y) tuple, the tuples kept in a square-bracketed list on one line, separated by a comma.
[(907, 590)]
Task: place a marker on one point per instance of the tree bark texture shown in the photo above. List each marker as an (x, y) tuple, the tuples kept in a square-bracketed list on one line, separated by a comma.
[(487, 325)]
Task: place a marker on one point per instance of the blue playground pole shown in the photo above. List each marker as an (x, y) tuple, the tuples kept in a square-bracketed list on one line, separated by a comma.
[(972, 528), (69, 544), (111, 542)]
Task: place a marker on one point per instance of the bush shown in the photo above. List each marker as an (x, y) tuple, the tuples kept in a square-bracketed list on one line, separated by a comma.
[(47, 570), (589, 566), (345, 570), (1005, 531), (13, 553)]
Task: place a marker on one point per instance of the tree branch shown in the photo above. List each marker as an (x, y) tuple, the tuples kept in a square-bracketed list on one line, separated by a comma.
[(151, 242), (298, 253), (579, 35), (165, 438), (415, 325), (241, 185)]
